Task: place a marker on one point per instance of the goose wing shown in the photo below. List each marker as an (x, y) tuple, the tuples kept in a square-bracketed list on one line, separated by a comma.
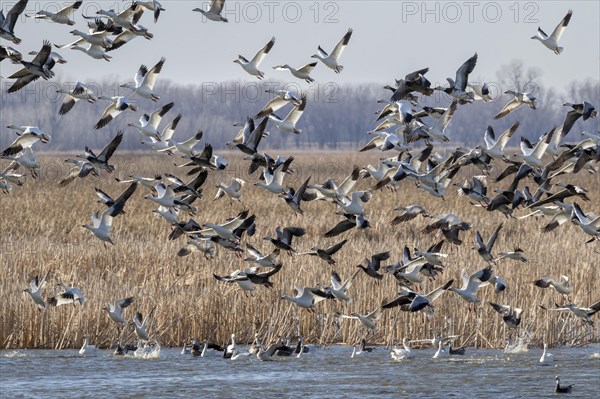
[(149, 78), (110, 148), (262, 53), (462, 74), (339, 48), (560, 28)]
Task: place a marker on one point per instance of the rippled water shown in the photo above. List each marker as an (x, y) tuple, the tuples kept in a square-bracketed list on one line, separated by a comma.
[(321, 373)]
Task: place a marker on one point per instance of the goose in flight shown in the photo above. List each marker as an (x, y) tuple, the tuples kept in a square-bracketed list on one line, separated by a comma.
[(518, 100), (249, 137), (40, 66), (114, 310), (237, 277), (356, 204), (374, 264), (589, 223), (79, 92), (101, 226), (414, 81), (326, 254), (369, 321), (151, 5), (585, 110), (471, 284), (60, 17), (7, 25), (165, 137), (80, 169), (288, 124), (263, 260), (67, 296), (257, 278), (100, 161), (27, 137), (115, 206), (283, 98), (94, 51), (35, 291), (438, 130), (495, 147), (148, 124), (214, 11), (583, 313), (511, 316), (516, 254), (533, 156), (330, 190), (412, 301), (551, 42), (233, 190), (562, 286), (458, 87), (117, 105), (339, 289), (332, 60), (485, 250), (306, 297), (252, 66), (26, 159), (283, 239), (272, 181), (145, 80), (186, 147), (348, 223), (302, 73), (11, 54), (141, 326)]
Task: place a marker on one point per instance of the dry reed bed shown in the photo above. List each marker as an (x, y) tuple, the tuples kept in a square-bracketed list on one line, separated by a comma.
[(41, 231)]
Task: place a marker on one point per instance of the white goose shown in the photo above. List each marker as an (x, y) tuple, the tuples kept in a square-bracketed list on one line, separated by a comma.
[(67, 296), (79, 92), (273, 181), (302, 73), (551, 41), (28, 136), (458, 87), (305, 298), (185, 147), (117, 105), (283, 98), (340, 290), (533, 156), (165, 137), (148, 124), (405, 352), (101, 226), (141, 326), (441, 351), (332, 60), (438, 130), (252, 66), (86, 348), (145, 79), (288, 124), (94, 51), (546, 357), (233, 190), (369, 320), (495, 147), (214, 11), (356, 204), (59, 17), (115, 310), (35, 291), (518, 100), (471, 284)]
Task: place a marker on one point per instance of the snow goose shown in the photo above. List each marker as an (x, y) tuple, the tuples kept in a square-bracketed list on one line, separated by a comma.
[(559, 388), (511, 316), (457, 88), (117, 105), (151, 5), (250, 137), (302, 73), (115, 206), (204, 245), (145, 80), (412, 301), (485, 250), (258, 278), (475, 189), (294, 198), (332, 60), (368, 320), (471, 284), (584, 314), (233, 190), (97, 38), (414, 81), (533, 156), (186, 147), (385, 141), (330, 189), (236, 277), (28, 136), (7, 25), (40, 66), (551, 42), (562, 286), (114, 310), (266, 354), (348, 223), (441, 351), (326, 254), (165, 137), (589, 223), (100, 161), (518, 100), (101, 226), (148, 124), (214, 11), (438, 130), (68, 295), (24, 76), (86, 348), (585, 110), (148, 182), (356, 204), (283, 98), (60, 17), (94, 51), (517, 254), (26, 159), (272, 181), (10, 53), (80, 169), (227, 229), (141, 326), (362, 348), (288, 124), (495, 147), (259, 258), (405, 352), (306, 297), (480, 92), (79, 92), (433, 254), (374, 264), (128, 35), (568, 191), (446, 221), (35, 291), (283, 238), (125, 19), (546, 357), (339, 289), (252, 66), (236, 355)]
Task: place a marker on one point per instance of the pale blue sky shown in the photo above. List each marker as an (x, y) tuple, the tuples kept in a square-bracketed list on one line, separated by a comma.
[(391, 38)]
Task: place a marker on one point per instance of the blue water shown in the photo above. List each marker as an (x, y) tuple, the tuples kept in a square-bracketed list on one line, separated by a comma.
[(321, 373)]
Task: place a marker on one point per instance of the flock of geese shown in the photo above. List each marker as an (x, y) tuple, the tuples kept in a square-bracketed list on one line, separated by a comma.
[(404, 121)]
